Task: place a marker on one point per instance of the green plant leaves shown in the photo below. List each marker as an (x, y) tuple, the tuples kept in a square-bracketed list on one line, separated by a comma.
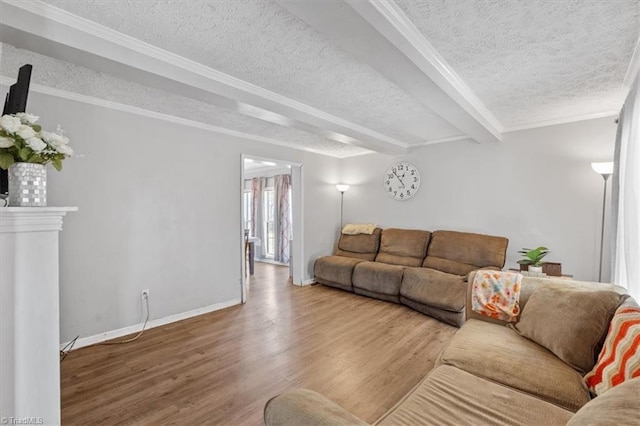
[(25, 153), (533, 256), (6, 160), (57, 163)]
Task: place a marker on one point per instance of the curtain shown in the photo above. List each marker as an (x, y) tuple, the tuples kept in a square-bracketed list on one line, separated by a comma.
[(257, 220), (626, 196), (282, 217)]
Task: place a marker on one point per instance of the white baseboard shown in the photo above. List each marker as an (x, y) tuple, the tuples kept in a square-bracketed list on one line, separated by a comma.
[(113, 334), (305, 282)]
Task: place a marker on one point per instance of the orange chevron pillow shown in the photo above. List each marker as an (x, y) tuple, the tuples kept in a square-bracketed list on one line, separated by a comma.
[(619, 359)]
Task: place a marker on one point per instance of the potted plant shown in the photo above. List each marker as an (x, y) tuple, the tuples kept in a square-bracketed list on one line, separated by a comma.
[(533, 258), (25, 150)]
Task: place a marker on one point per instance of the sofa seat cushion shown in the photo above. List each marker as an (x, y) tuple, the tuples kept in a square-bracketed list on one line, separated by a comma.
[(406, 247), (434, 288), (450, 396), (378, 278), (335, 271), (499, 354)]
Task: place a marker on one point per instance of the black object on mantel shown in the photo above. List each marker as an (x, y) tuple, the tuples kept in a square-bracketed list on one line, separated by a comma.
[(15, 102)]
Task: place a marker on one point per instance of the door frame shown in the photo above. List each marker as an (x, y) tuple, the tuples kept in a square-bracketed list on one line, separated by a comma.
[(297, 217)]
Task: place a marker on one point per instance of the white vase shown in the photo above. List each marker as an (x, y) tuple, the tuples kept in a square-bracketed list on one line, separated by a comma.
[(535, 269), (27, 185)]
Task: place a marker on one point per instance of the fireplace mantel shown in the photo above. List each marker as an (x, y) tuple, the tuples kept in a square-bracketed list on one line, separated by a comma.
[(29, 313)]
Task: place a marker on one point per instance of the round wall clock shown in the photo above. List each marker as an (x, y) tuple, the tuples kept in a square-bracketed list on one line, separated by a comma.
[(401, 181)]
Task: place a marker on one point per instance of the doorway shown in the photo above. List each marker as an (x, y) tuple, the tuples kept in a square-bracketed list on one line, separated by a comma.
[(270, 215)]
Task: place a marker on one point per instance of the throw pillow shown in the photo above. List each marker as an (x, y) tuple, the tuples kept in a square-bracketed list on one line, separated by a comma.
[(570, 322), (619, 360)]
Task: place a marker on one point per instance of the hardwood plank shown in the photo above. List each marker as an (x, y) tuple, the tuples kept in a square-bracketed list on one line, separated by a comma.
[(222, 367)]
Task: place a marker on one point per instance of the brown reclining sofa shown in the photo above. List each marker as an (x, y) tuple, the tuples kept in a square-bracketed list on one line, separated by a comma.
[(424, 270)]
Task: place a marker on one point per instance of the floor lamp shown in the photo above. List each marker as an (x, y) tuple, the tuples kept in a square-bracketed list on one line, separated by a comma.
[(605, 170), (342, 188)]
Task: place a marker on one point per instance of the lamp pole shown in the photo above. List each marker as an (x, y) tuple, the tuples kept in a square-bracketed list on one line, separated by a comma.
[(604, 201), (341, 207), (342, 188), (605, 170)]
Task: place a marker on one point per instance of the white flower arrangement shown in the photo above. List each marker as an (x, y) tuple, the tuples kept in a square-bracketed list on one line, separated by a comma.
[(24, 141)]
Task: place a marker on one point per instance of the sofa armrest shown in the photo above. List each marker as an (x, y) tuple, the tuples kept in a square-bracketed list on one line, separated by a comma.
[(306, 407)]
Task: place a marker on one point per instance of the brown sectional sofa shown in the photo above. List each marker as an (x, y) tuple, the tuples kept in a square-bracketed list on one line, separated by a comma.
[(423, 270), (490, 374)]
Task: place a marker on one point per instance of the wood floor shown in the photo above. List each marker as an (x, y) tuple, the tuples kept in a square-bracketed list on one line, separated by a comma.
[(222, 367)]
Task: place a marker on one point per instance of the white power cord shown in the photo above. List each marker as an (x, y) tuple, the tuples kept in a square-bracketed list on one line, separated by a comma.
[(119, 342)]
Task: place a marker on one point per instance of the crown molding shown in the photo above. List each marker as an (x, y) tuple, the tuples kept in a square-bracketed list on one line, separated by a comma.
[(441, 140), (95, 39), (565, 120), (45, 90), (418, 48)]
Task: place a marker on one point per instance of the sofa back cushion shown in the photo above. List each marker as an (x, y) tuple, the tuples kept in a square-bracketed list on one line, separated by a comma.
[(359, 246), (406, 247), (570, 322), (462, 252), (530, 284)]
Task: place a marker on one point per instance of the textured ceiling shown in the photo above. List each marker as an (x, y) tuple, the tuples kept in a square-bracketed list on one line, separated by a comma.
[(262, 43), (62, 75), (534, 60), (528, 62)]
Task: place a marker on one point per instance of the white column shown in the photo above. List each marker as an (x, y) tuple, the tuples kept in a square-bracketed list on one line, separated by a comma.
[(29, 314)]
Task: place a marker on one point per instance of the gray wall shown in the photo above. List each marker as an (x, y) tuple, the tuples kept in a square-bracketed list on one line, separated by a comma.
[(536, 188), (159, 209), (160, 205)]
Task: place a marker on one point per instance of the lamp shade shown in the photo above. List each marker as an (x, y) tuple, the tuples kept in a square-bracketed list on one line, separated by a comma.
[(342, 187), (605, 168)]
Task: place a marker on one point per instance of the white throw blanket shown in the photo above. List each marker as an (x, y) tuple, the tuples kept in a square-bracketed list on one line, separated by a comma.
[(353, 229), (496, 294)]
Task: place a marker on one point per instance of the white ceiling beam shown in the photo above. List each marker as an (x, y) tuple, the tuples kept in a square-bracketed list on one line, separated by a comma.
[(45, 29), (378, 33)]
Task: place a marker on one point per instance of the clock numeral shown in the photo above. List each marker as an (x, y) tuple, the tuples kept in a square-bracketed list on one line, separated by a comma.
[(401, 195), (413, 187), (388, 182), (400, 167), (408, 192), (395, 193), (415, 179), (413, 172)]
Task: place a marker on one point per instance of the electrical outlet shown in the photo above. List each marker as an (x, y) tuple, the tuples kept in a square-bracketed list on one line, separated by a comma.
[(144, 294)]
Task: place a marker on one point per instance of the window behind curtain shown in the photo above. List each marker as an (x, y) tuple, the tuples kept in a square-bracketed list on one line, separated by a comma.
[(269, 225), (247, 208)]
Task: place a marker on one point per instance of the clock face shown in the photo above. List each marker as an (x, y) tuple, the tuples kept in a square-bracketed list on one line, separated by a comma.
[(401, 181)]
